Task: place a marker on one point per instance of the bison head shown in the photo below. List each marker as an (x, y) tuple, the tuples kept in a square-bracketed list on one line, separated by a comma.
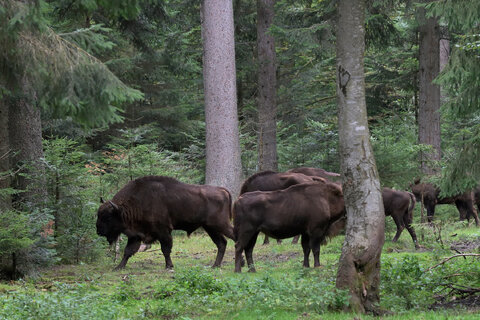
[(109, 221)]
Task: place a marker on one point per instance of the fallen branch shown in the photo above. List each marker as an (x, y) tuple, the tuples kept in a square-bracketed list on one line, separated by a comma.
[(455, 256)]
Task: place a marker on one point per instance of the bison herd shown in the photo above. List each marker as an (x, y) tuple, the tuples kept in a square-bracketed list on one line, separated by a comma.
[(306, 202)]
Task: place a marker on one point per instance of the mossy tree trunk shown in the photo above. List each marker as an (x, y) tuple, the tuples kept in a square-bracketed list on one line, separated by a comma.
[(359, 267)]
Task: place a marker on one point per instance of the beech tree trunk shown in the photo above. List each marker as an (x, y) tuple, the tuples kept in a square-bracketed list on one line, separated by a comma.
[(223, 166), (267, 105), (359, 266), (429, 93)]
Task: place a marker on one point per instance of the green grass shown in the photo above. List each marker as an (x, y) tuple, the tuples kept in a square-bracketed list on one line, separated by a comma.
[(281, 288)]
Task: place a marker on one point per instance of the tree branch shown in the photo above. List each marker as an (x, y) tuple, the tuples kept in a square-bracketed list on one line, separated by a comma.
[(455, 256)]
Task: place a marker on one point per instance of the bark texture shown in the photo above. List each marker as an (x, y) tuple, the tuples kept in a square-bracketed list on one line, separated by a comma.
[(267, 105), (429, 93), (25, 137), (223, 166), (359, 266)]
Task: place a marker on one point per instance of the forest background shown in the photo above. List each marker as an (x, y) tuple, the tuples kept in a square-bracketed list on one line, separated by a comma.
[(117, 91)]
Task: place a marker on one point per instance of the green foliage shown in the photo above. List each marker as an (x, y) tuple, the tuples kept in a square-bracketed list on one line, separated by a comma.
[(396, 151), (14, 237), (65, 301), (404, 282), (206, 292), (71, 198)]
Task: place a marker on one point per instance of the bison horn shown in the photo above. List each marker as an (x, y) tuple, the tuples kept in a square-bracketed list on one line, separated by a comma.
[(114, 206), (101, 200)]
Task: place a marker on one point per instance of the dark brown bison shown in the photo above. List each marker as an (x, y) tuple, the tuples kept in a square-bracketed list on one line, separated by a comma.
[(271, 181), (309, 209), (333, 176), (399, 205), (430, 195), (149, 208)]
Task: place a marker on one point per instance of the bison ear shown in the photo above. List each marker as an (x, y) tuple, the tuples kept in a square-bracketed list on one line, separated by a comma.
[(101, 200), (114, 206)]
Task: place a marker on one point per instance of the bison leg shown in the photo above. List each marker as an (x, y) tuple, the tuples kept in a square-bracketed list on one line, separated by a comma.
[(249, 253), (430, 212), (306, 250), (410, 229), (221, 244), (132, 247), (295, 239), (315, 246), (166, 243), (266, 240), (400, 226), (238, 256), (464, 214)]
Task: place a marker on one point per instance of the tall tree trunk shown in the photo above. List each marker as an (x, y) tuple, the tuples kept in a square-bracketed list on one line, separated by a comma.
[(267, 105), (5, 201), (223, 166), (359, 266), (25, 136), (429, 93)]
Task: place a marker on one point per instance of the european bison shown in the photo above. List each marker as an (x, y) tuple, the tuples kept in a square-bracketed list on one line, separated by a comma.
[(149, 208), (431, 197), (271, 181), (317, 172), (399, 205), (309, 209)]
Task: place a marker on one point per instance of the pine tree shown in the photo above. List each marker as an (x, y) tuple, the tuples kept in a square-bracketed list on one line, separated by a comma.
[(223, 167)]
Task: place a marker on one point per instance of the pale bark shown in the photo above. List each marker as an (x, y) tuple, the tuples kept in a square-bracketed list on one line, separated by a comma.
[(429, 93), (267, 105), (444, 56), (223, 167), (359, 266)]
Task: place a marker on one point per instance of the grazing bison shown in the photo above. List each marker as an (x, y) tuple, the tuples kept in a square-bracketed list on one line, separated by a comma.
[(149, 208), (317, 172), (309, 209), (399, 205), (271, 181), (431, 197)]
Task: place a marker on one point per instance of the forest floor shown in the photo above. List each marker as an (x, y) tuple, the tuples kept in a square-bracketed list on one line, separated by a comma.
[(280, 289)]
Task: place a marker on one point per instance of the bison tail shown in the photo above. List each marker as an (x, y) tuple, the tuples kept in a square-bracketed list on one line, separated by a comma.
[(230, 205), (335, 228), (412, 205)]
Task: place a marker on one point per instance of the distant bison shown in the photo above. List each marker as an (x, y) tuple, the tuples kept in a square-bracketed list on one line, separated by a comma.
[(309, 209), (271, 181), (430, 195), (317, 172), (149, 208), (399, 205)]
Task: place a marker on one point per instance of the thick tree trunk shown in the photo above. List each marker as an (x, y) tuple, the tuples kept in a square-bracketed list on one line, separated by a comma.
[(429, 95), (267, 105), (359, 267), (223, 166), (25, 136)]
